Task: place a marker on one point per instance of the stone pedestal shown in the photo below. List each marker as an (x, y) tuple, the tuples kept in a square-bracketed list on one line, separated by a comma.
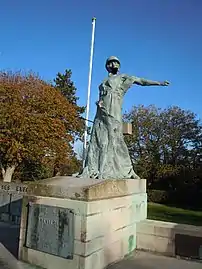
[(97, 227)]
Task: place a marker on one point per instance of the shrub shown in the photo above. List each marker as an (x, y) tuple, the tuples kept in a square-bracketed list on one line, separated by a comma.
[(185, 198), (157, 196)]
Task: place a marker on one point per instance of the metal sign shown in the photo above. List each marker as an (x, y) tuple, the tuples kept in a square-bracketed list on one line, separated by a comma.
[(50, 229)]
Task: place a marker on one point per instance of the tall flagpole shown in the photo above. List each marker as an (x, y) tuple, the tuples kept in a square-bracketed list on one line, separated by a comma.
[(89, 88)]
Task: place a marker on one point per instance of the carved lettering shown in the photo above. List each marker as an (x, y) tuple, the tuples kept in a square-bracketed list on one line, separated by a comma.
[(48, 221), (13, 188), (55, 222), (21, 189), (5, 187)]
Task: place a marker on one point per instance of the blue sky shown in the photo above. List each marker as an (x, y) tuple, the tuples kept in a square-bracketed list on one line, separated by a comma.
[(155, 39)]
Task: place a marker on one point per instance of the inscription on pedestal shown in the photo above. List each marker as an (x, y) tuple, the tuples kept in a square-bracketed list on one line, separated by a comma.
[(13, 188), (50, 229)]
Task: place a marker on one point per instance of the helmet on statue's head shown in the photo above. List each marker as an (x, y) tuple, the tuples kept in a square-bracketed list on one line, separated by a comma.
[(111, 59)]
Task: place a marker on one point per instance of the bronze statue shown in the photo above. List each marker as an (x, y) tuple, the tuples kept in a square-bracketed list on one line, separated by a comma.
[(107, 156)]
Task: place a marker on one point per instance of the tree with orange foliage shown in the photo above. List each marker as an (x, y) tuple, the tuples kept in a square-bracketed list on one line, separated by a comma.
[(36, 122)]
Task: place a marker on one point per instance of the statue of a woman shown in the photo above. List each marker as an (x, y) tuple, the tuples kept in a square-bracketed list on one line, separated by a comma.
[(107, 156)]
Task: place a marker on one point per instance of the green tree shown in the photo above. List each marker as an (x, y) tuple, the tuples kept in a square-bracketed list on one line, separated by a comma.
[(32, 170), (65, 85), (164, 144), (36, 122), (182, 134)]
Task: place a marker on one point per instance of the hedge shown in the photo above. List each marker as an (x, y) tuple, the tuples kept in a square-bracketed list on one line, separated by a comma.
[(157, 196), (183, 198)]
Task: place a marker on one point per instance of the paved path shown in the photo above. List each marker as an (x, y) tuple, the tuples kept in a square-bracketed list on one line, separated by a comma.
[(140, 260), (143, 260)]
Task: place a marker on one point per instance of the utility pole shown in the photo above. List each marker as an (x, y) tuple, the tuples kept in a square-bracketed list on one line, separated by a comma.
[(89, 88)]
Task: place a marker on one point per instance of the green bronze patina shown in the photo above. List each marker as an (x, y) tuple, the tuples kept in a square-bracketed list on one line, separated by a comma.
[(107, 156)]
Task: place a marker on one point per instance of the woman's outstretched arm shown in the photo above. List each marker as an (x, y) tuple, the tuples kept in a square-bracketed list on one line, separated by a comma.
[(147, 82)]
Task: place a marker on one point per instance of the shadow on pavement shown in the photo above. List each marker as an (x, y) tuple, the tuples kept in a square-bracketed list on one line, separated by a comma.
[(9, 237)]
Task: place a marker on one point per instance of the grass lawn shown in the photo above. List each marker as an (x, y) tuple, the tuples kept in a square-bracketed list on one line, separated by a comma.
[(173, 214)]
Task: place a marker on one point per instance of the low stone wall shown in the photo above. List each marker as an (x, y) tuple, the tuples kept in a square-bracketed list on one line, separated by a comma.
[(11, 195), (170, 239)]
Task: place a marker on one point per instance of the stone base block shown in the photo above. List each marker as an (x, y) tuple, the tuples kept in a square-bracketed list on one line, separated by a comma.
[(104, 230)]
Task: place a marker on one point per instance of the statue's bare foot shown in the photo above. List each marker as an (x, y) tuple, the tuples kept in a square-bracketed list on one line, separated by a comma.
[(76, 175), (134, 176)]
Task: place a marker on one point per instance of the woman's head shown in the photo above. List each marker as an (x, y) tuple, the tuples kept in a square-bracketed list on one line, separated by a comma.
[(112, 65)]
